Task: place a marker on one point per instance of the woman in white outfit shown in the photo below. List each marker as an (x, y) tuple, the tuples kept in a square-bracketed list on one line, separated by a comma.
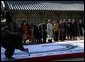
[(49, 30)]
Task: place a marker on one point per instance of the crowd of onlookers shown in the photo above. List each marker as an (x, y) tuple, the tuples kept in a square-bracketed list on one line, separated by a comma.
[(58, 30), (64, 29)]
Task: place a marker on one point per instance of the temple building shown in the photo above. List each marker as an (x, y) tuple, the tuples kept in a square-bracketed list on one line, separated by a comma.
[(37, 11)]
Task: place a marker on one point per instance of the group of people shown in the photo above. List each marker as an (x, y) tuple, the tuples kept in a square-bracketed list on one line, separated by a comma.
[(67, 29), (58, 30), (33, 32), (63, 29)]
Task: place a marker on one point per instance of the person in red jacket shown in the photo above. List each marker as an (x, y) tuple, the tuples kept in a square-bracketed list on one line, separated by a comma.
[(29, 32), (24, 31)]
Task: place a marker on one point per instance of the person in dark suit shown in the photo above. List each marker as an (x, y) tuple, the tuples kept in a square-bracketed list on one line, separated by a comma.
[(35, 33), (62, 30), (44, 34), (66, 29), (69, 25), (11, 41), (74, 30), (80, 24), (39, 33)]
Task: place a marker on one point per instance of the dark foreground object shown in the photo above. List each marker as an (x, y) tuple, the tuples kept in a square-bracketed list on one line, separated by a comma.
[(11, 41)]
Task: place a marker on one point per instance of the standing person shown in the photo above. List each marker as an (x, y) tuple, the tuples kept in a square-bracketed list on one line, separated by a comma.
[(35, 33), (80, 29), (32, 29), (39, 39), (29, 32), (76, 29), (83, 27), (69, 29), (44, 34), (24, 30), (73, 31), (65, 26), (50, 30), (19, 30), (62, 30), (56, 30)]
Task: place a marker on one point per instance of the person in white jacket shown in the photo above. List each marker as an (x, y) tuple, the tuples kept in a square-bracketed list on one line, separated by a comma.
[(49, 30)]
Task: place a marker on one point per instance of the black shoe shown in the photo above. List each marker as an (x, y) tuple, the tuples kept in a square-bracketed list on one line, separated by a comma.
[(50, 40)]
